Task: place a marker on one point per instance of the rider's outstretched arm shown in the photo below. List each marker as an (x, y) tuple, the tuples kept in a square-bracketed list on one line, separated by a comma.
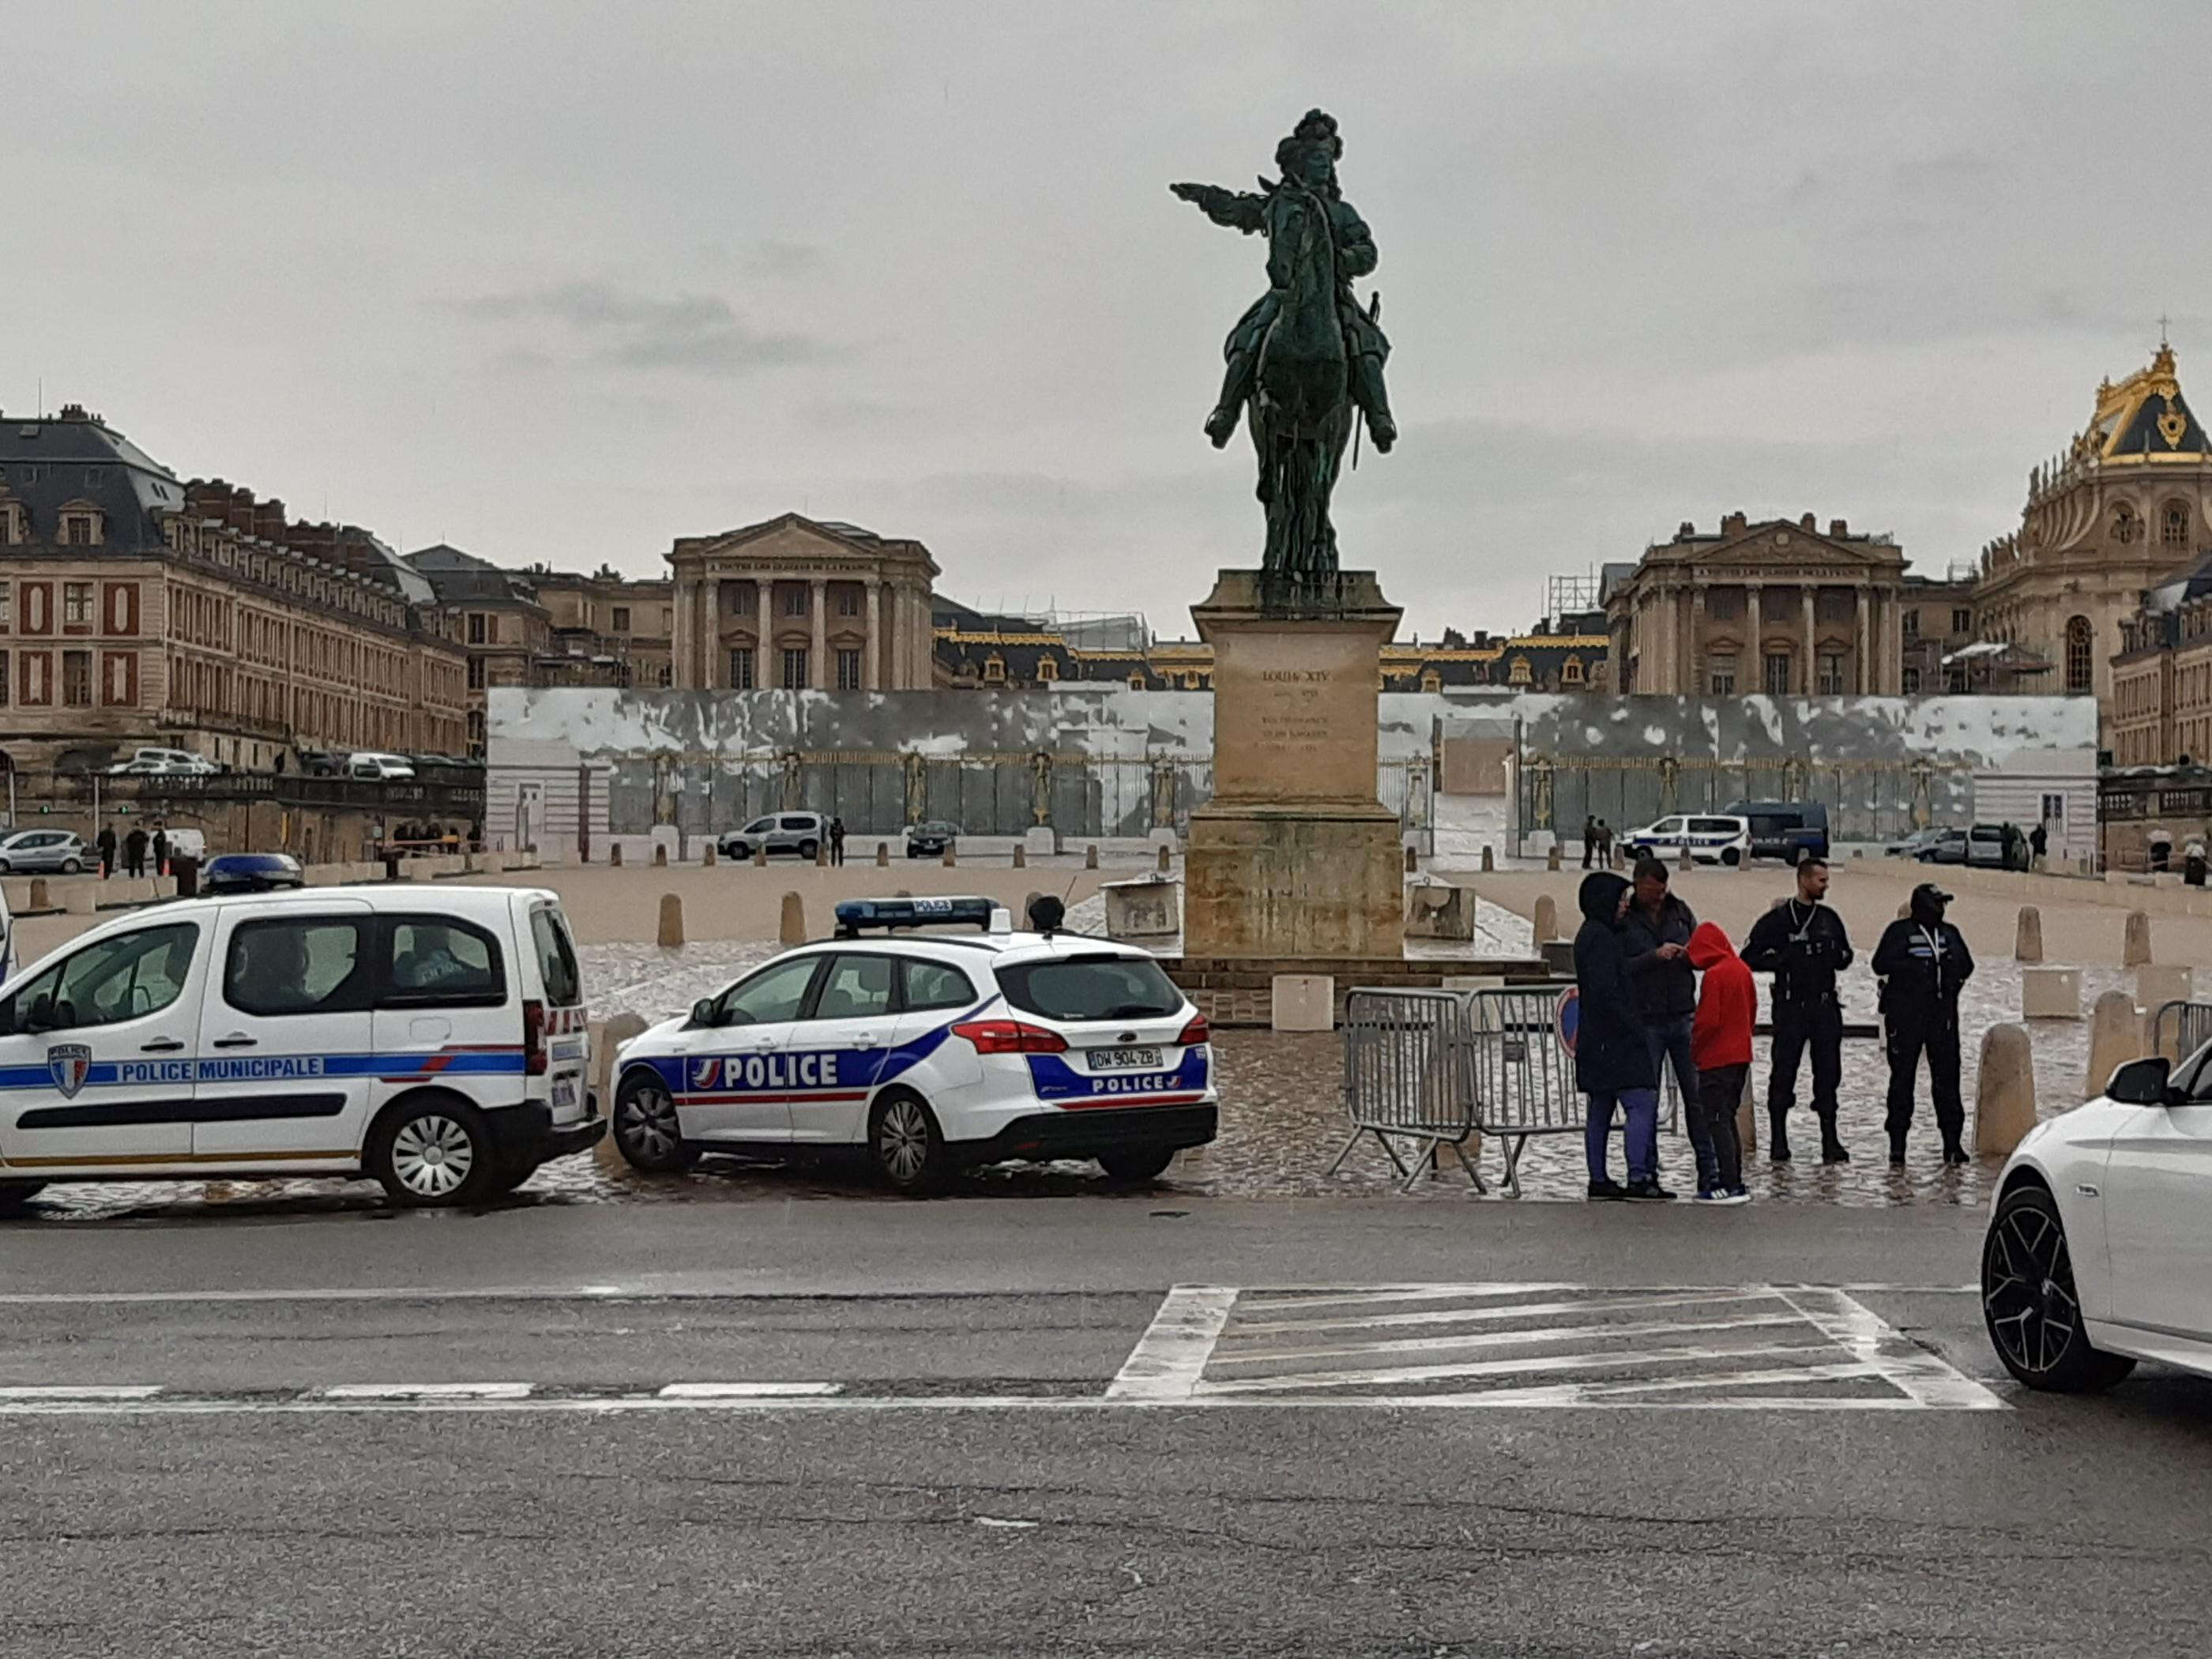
[(1226, 207)]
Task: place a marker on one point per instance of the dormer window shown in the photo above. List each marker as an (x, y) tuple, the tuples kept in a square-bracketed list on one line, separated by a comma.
[(994, 670), (1048, 668), (1570, 672), (1519, 674), (1432, 680), (81, 526), (11, 518)]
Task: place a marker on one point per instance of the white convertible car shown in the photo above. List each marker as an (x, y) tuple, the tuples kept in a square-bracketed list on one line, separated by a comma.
[(2099, 1245)]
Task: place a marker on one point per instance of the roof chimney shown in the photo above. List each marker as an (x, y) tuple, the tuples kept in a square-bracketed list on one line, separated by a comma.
[(1688, 530), (1808, 522), (74, 412), (1839, 529), (1735, 524)]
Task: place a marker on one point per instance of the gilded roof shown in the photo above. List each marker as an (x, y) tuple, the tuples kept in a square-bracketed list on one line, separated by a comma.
[(2143, 419)]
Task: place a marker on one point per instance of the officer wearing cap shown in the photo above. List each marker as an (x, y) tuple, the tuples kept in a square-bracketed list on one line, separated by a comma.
[(1922, 962)]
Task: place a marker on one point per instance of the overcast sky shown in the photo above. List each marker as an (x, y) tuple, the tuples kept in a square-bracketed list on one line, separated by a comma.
[(564, 282)]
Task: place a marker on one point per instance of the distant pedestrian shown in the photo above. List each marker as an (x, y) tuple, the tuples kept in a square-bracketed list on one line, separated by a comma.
[(1922, 962), (134, 852), (105, 842), (1720, 1042), (1589, 839), (1604, 844), (2193, 864), (1801, 942), (2039, 842), (1657, 934), (1614, 1065), (837, 840), (161, 849)]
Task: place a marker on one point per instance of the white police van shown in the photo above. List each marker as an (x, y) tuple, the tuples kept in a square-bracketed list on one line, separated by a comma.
[(933, 1050), (1710, 837), (435, 1043)]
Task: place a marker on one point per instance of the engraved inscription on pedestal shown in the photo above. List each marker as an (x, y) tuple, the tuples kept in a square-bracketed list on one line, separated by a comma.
[(1294, 716)]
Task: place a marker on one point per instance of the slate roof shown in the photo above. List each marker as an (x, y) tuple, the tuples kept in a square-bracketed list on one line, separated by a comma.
[(47, 463)]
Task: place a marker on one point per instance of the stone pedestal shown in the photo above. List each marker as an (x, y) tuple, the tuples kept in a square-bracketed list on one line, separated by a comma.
[(1294, 856)]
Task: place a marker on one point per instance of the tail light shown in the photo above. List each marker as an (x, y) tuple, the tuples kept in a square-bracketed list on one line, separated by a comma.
[(533, 1039), (1010, 1036), (1196, 1032)]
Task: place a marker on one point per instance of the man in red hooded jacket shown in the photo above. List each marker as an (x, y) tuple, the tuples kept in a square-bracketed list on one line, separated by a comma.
[(1720, 1047)]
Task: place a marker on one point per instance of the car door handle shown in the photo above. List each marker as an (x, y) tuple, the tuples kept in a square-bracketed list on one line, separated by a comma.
[(865, 1040), (236, 1039), (161, 1046)]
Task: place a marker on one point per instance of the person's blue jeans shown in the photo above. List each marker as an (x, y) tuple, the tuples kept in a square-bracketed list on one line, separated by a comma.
[(1670, 1043), (1642, 1106)]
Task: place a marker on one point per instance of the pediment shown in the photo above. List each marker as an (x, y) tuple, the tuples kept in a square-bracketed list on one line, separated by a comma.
[(1758, 550)]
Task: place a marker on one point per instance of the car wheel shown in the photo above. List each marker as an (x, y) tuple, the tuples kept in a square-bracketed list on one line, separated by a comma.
[(70, 866), (1731, 857), (807, 849), (2029, 1304), (6, 868), (1136, 1163), (905, 1144), (648, 1132), (434, 1151), (15, 1195)]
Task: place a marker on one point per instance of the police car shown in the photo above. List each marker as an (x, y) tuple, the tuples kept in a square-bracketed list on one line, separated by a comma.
[(437, 1045), (931, 1049)]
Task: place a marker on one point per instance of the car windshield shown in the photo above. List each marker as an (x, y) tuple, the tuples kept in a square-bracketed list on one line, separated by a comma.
[(1090, 988)]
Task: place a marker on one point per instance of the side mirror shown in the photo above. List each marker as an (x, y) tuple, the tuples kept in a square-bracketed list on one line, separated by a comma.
[(702, 1011), (41, 1016), (2141, 1083)]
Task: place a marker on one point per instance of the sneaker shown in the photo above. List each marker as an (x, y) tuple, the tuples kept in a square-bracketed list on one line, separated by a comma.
[(1647, 1190), (1605, 1189), (1706, 1196), (1732, 1195)]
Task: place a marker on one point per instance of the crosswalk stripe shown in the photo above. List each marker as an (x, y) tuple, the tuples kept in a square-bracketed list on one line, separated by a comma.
[(1500, 1339), (1673, 1356), (1277, 1300), (1170, 1357), (426, 1391), (1512, 1310), (80, 1391)]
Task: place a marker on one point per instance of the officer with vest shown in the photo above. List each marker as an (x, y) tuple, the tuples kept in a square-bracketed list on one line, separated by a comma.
[(1801, 942), (1923, 962)]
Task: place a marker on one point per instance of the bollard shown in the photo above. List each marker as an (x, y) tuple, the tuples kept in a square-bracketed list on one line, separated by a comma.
[(1167, 862), (1746, 1116), (1412, 861), (2027, 935), (1489, 861), (1021, 856), (760, 856), (672, 923), (949, 860), (2004, 1090), (1683, 863), (1551, 858), (882, 856), (1546, 919), (2135, 945), (604, 1039), (39, 896), (707, 856), (2115, 1036), (1905, 911), (659, 856), (1091, 856), (822, 855), (793, 929), (2051, 994), (614, 854)]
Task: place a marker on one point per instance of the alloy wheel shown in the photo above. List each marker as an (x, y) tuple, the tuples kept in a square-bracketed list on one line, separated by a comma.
[(2028, 1290), (646, 1122), (903, 1141), (432, 1155)]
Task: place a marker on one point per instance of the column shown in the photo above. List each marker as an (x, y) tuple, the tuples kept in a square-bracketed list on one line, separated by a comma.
[(1862, 646), (817, 650), (1811, 676), (765, 660), (925, 640), (1753, 678), (680, 647), (1696, 685), (871, 652), (706, 633)]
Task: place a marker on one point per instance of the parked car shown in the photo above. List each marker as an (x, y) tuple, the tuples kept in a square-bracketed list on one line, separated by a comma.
[(2094, 1254), (250, 873), (45, 852), (801, 833), (1944, 846), (932, 1051), (930, 839), (1910, 847), (436, 1043), (1785, 829), (1985, 845), (1712, 838), (174, 762), (378, 768)]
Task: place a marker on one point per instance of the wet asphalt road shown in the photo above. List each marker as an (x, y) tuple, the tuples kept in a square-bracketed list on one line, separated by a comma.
[(964, 1481)]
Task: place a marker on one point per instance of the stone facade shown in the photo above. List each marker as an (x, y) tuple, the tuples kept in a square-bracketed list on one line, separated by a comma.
[(800, 606), (2160, 709), (2126, 506), (136, 609), (1779, 607)]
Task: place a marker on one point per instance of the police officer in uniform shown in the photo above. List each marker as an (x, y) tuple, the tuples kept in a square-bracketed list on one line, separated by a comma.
[(1922, 962), (1801, 942)]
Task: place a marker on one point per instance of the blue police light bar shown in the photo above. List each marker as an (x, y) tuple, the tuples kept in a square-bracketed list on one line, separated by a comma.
[(855, 915)]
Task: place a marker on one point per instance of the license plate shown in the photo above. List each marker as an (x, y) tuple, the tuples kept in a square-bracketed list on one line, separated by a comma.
[(1125, 1060), (564, 1092)]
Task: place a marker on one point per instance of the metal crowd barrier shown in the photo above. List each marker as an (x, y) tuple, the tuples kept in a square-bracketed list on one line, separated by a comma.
[(2178, 1029), (1436, 1066)]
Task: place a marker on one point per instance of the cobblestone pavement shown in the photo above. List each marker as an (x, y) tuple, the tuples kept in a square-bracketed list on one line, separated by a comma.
[(1282, 1122)]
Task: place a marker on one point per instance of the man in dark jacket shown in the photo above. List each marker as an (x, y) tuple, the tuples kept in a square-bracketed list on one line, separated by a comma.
[(1922, 962), (1803, 944), (1612, 1059), (103, 842), (134, 852), (1589, 838), (1656, 935)]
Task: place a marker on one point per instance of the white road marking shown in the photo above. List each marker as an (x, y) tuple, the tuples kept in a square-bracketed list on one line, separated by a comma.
[(80, 1391), (1914, 1372), (426, 1391), (1167, 1359), (1292, 1301), (1601, 1304), (1499, 1339), (1556, 1362), (747, 1390)]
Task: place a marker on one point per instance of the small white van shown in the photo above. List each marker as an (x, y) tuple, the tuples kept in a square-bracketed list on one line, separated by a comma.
[(438, 1047), (379, 768)]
